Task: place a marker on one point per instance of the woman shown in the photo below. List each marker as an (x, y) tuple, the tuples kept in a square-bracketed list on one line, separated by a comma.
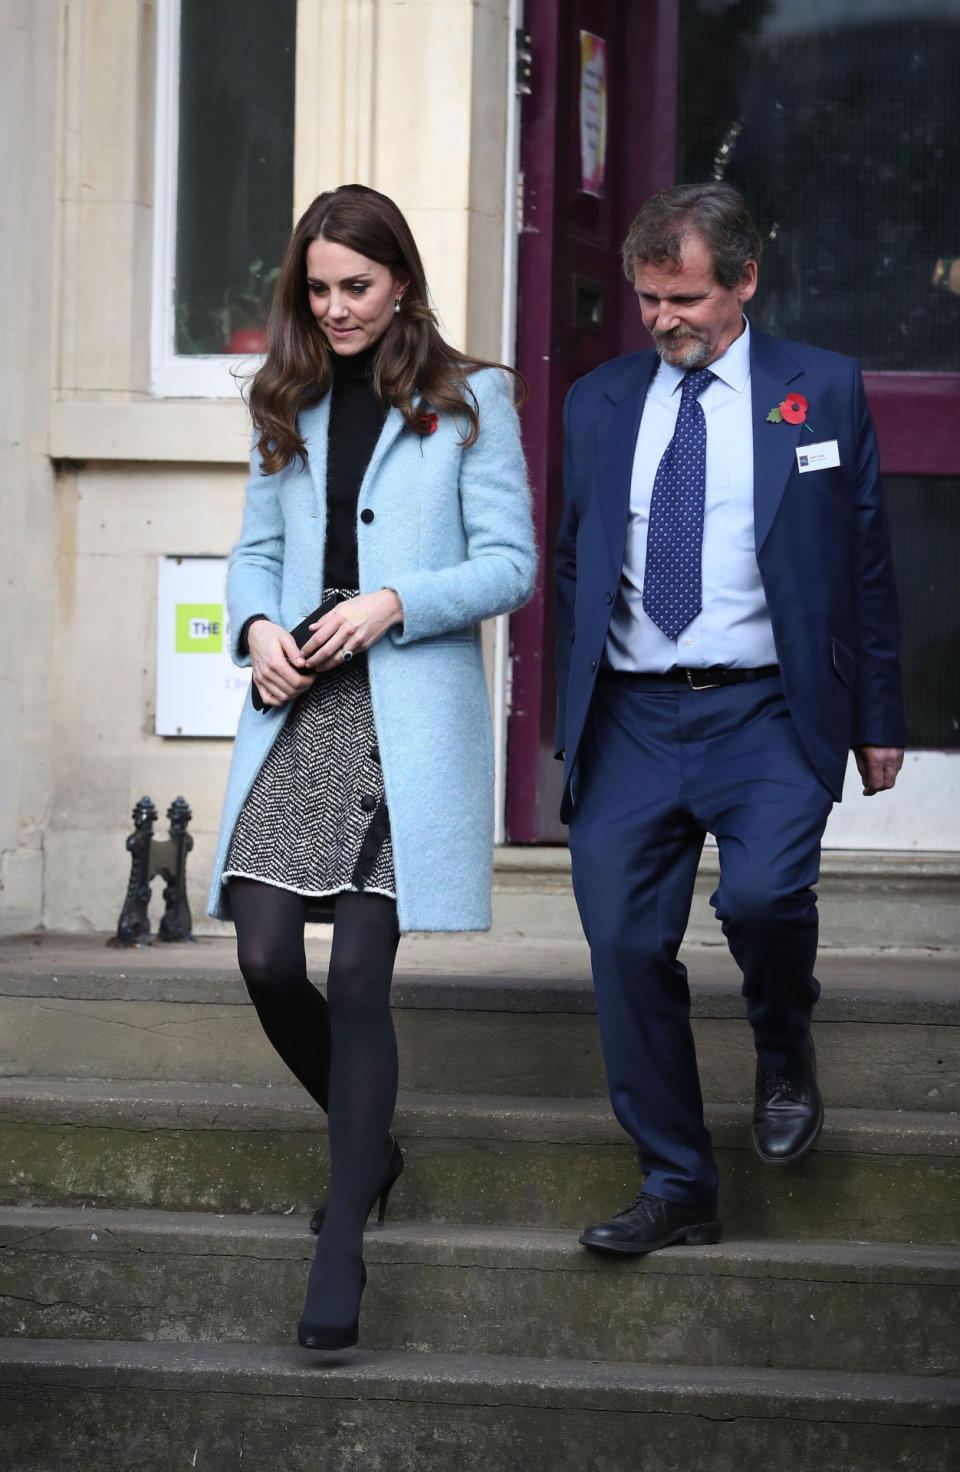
[(388, 484)]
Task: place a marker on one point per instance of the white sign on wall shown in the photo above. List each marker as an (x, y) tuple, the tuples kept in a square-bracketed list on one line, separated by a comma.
[(199, 689)]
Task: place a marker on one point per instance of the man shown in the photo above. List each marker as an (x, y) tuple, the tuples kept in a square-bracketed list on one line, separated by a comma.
[(727, 632)]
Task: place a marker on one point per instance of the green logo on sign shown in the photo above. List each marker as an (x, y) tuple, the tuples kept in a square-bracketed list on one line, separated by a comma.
[(199, 628)]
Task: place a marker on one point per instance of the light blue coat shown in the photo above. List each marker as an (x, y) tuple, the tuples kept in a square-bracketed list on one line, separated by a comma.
[(451, 533)]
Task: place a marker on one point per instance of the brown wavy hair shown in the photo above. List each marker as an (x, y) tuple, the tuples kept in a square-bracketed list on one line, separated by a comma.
[(412, 356)]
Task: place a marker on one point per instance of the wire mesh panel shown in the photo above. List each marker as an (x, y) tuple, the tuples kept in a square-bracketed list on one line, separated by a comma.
[(924, 513), (838, 123)]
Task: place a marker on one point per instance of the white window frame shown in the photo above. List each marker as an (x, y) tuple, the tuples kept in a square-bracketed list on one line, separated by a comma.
[(172, 374)]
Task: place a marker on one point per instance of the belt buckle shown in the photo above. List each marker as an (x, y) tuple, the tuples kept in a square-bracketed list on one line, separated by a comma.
[(705, 684)]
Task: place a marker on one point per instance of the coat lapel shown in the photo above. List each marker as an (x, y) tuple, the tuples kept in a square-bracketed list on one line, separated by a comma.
[(315, 428), (772, 370), (392, 426), (616, 440)]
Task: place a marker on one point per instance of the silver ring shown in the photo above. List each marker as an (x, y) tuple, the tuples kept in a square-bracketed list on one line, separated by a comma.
[(346, 654)]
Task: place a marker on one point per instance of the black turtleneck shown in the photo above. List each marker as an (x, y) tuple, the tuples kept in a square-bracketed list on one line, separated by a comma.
[(356, 419)]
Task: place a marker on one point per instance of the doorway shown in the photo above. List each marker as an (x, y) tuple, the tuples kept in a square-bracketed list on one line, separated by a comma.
[(848, 160)]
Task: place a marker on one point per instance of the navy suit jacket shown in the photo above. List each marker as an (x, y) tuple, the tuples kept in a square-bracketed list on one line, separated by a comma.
[(821, 539)]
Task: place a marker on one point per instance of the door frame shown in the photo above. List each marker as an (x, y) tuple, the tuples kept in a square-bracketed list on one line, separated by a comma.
[(652, 32)]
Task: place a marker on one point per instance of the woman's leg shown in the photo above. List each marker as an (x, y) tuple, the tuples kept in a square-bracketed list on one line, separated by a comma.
[(271, 956), (363, 1094)]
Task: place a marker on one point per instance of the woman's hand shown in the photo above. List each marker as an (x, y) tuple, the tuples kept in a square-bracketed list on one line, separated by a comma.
[(278, 666), (350, 627)]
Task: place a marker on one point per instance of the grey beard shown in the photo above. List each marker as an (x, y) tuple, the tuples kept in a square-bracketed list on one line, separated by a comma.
[(697, 356)]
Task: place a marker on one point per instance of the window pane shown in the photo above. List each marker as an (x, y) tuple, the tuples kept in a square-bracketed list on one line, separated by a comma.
[(924, 513), (235, 169), (838, 123)]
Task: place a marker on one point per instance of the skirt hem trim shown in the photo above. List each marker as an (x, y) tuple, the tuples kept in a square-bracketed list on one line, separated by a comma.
[(309, 894)]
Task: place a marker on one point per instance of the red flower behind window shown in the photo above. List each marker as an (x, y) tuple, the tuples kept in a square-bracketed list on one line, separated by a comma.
[(428, 423)]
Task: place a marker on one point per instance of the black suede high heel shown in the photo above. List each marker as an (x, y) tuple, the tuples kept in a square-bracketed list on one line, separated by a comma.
[(393, 1173), (332, 1336)]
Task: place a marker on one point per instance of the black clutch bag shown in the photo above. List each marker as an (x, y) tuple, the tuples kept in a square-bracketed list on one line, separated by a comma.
[(301, 634)]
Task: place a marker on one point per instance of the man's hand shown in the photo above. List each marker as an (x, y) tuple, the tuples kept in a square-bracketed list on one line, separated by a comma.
[(878, 767)]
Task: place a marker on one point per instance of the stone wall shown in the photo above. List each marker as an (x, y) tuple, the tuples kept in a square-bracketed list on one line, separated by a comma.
[(28, 88), (101, 477)]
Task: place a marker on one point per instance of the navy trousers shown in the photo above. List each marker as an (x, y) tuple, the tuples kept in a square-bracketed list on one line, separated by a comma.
[(659, 768)]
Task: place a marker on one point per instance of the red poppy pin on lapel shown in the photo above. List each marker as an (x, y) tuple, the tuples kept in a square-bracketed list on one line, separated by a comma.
[(428, 423), (793, 410)]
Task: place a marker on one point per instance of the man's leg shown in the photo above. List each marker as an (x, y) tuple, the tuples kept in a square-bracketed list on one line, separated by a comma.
[(768, 810), (634, 852)]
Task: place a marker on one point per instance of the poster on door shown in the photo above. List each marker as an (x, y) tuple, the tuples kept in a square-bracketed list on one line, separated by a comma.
[(593, 113), (199, 689)]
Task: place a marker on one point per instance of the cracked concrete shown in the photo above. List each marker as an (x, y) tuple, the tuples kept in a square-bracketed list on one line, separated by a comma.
[(177, 1308), (916, 1065)]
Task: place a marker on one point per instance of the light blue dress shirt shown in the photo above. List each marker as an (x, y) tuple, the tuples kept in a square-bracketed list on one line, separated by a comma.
[(733, 626)]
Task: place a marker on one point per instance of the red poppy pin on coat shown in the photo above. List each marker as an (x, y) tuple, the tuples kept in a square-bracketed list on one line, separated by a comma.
[(793, 410)]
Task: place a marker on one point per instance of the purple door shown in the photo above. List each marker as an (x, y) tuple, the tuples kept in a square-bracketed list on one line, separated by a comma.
[(574, 310), (848, 158)]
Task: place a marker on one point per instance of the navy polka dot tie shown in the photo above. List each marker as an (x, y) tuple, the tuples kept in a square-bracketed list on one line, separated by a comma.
[(672, 583)]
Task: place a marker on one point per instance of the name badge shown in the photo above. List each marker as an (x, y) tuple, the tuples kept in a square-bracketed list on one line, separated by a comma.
[(818, 457)]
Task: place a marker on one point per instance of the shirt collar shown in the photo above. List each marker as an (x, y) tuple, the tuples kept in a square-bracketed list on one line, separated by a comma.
[(732, 367)]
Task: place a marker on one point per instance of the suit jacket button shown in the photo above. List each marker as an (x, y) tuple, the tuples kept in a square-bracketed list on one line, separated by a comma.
[(593, 665), (368, 802), (366, 515), (608, 597)]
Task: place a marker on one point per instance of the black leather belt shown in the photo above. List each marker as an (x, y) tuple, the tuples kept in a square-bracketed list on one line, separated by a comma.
[(704, 679)]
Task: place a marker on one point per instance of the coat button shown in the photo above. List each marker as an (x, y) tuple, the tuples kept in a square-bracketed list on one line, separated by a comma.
[(593, 665), (374, 753), (366, 515), (608, 597), (368, 802)]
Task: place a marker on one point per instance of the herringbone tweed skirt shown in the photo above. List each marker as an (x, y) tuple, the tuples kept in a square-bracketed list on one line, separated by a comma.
[(315, 820)]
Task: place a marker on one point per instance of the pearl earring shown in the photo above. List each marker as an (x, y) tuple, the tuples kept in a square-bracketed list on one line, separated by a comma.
[(396, 306)]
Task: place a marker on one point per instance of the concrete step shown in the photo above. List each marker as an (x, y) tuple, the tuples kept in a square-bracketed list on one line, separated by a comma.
[(865, 898), (887, 1027), (876, 1175), (164, 1407), (94, 1274)]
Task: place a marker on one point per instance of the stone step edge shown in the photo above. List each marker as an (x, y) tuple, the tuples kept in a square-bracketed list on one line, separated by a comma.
[(146, 1107), (894, 865), (888, 1003), (56, 1230), (476, 1379)]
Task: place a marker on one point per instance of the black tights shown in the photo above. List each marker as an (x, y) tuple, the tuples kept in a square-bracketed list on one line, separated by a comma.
[(343, 1050), (293, 1014)]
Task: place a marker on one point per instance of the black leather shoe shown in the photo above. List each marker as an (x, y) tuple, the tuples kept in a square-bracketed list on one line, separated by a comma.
[(788, 1111), (394, 1172), (650, 1222)]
